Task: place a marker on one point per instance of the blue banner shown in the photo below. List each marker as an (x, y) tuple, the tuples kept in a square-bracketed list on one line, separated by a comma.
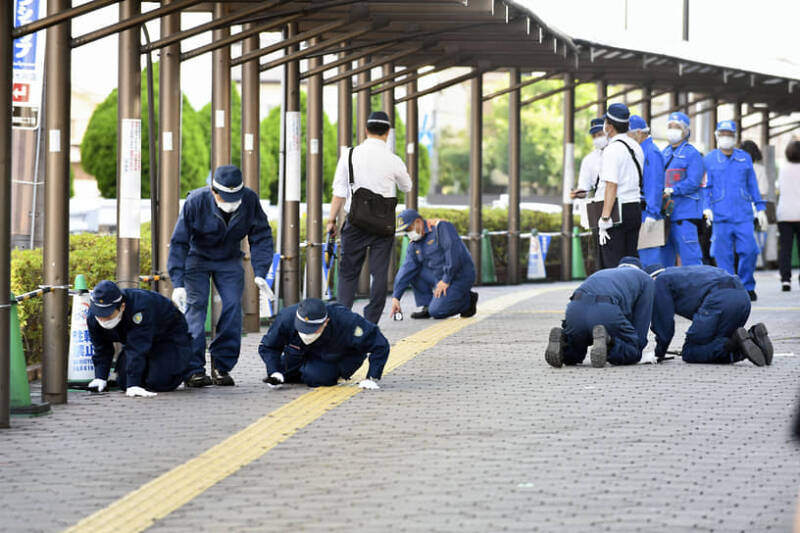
[(545, 242), (25, 12), (273, 269), (328, 290)]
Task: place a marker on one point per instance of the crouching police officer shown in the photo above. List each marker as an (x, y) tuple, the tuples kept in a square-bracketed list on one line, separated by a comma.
[(611, 312), (718, 306), (317, 344), (156, 345), (438, 267)]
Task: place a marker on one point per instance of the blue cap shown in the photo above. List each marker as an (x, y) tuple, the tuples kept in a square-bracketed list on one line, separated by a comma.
[(228, 183), (679, 117), (637, 123), (596, 125), (630, 260), (726, 125), (311, 314), (654, 270), (379, 117), (618, 113), (105, 298), (405, 219)]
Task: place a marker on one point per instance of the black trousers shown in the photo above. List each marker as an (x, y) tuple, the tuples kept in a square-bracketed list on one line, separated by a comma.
[(624, 237), (786, 232), (355, 244)]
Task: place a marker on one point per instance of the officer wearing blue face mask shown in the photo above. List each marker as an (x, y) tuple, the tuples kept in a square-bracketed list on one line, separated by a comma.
[(206, 245), (317, 344), (683, 181), (590, 165), (730, 194), (438, 267), (156, 345), (652, 184)]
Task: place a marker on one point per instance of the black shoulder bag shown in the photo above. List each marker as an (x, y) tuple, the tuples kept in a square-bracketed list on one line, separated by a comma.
[(370, 211)]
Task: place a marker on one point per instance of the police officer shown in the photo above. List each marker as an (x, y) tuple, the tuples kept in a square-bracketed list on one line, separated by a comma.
[(610, 311), (718, 307), (620, 179), (156, 345), (682, 181), (652, 185), (590, 165), (730, 193), (317, 344), (438, 268), (377, 169), (206, 245)]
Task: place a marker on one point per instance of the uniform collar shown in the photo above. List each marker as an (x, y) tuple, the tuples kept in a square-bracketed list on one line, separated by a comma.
[(376, 142)]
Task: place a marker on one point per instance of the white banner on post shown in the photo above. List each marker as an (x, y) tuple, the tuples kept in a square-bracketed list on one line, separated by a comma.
[(390, 141), (569, 171), (130, 179), (292, 156)]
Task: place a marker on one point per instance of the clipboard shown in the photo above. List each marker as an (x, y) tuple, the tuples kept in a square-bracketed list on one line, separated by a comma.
[(656, 237), (771, 216), (594, 210)]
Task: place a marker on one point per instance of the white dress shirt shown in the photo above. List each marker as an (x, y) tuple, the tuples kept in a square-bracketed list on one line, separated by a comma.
[(590, 170), (789, 193), (617, 166), (375, 167)]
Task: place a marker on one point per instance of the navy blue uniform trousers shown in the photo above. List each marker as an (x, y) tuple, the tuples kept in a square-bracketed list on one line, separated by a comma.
[(722, 311), (582, 315), (165, 365), (320, 371)]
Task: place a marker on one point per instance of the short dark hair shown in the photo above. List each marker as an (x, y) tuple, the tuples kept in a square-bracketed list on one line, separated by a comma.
[(793, 151), (377, 128), (620, 127), (752, 148)]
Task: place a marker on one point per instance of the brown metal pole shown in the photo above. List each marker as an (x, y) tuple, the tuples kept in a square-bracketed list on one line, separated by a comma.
[(290, 225), (387, 103), (764, 129), (412, 146), (514, 132), (345, 112), (314, 220), (57, 18), (737, 117), (6, 63), (602, 97), (345, 58), (56, 201), (251, 171), (363, 109), (569, 178), (475, 171), (647, 105), (712, 125), (220, 95)]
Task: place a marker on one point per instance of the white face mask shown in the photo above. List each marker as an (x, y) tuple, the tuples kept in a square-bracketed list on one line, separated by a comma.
[(674, 135), (308, 338), (229, 207), (600, 142), (725, 142), (414, 236), (110, 324)]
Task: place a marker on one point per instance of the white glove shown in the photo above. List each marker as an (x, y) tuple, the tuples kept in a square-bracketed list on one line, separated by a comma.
[(97, 385), (668, 191), (709, 214), (604, 237), (649, 224), (179, 298), (132, 392), (761, 217), (275, 380), (368, 384), (262, 285), (648, 358)]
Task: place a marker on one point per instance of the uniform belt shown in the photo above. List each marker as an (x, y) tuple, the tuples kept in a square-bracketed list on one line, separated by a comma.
[(589, 298), (726, 284)]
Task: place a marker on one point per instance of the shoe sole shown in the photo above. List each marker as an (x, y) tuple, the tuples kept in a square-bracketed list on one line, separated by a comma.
[(748, 348), (760, 336), (599, 351), (554, 354), (473, 309), (224, 382), (197, 385)]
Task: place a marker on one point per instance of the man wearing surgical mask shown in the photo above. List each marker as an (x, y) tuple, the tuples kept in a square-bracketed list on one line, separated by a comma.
[(731, 192), (317, 344), (206, 245), (156, 345), (437, 266), (590, 165)]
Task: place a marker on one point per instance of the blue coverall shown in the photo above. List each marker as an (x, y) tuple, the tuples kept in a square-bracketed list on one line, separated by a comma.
[(712, 299), (652, 195), (684, 173), (347, 340), (156, 345), (621, 299), (731, 190), (205, 246), (439, 255)]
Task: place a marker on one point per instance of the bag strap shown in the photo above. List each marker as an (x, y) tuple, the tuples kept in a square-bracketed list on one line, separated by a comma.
[(635, 161), (350, 167)]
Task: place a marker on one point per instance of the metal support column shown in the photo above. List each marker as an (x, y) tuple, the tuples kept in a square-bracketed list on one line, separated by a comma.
[(737, 118), (220, 95), (647, 105), (475, 168), (764, 129), (56, 201), (513, 178), (387, 103), (412, 146), (345, 112), (6, 62), (251, 169), (363, 109), (602, 94), (712, 124), (569, 178), (314, 220), (290, 224)]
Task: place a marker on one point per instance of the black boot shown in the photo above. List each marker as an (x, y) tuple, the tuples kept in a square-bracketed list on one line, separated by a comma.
[(473, 305), (221, 378), (753, 296), (599, 351), (199, 379), (421, 314), (759, 335), (745, 346), (554, 354)]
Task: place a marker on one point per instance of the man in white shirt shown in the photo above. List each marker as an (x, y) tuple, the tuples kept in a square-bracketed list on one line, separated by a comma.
[(377, 169), (590, 165), (620, 181)]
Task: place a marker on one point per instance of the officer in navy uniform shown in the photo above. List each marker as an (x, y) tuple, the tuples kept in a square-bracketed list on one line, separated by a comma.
[(437, 266), (610, 311), (206, 245), (718, 306), (317, 344), (156, 345)]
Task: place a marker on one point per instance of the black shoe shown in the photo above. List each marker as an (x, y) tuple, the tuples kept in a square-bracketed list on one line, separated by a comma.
[(554, 354), (201, 379), (753, 296), (786, 286), (421, 314), (745, 346), (599, 351), (759, 335), (221, 378), (473, 305)]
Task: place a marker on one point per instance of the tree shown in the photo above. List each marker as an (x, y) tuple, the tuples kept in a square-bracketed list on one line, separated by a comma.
[(99, 144)]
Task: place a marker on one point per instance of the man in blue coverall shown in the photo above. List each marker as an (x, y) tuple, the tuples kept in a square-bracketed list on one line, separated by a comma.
[(683, 179), (317, 344), (206, 244), (438, 268), (610, 311), (718, 307), (730, 193), (652, 185), (156, 345)]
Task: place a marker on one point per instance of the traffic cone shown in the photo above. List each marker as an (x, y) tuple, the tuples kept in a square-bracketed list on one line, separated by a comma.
[(21, 403), (80, 369), (578, 268), (535, 258), (487, 259)]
